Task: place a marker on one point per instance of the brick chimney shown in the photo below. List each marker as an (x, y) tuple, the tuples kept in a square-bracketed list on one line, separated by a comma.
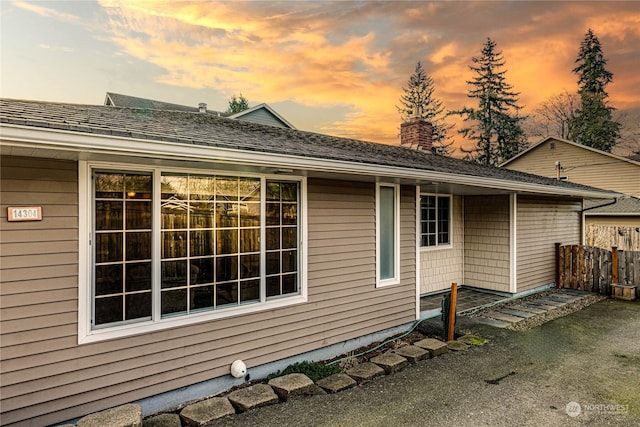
[(417, 133)]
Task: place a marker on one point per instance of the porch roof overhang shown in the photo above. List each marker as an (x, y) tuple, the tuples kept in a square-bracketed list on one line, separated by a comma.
[(20, 140)]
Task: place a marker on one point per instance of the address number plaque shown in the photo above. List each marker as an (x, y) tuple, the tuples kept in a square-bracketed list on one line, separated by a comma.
[(24, 213)]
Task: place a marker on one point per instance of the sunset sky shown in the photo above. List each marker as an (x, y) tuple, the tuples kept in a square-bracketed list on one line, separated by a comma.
[(329, 67)]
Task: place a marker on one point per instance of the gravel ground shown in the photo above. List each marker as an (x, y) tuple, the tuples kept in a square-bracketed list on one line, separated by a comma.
[(525, 378)]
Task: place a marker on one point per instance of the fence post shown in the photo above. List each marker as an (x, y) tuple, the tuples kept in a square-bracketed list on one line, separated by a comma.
[(558, 267), (451, 326), (614, 265)]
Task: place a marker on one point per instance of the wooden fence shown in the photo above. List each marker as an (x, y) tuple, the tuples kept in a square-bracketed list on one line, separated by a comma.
[(604, 236), (594, 269)]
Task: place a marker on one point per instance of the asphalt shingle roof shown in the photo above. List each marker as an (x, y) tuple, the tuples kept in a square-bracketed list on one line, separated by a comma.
[(626, 205), (128, 101), (213, 131)]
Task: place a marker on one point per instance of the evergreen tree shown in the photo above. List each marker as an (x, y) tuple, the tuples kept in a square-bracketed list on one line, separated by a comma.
[(237, 104), (419, 100), (494, 125), (593, 124)]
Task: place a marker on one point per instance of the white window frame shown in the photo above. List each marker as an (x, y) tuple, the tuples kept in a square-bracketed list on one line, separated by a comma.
[(437, 246), (396, 238), (85, 267)]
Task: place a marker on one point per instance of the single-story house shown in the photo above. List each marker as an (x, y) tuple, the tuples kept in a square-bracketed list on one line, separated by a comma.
[(261, 113), (608, 222), (143, 251)]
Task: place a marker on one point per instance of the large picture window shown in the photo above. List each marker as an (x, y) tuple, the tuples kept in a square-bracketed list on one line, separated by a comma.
[(435, 220), (209, 232)]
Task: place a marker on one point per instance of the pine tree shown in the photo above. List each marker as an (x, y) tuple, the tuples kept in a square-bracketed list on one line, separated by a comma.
[(494, 125), (593, 124), (419, 100), (237, 104)]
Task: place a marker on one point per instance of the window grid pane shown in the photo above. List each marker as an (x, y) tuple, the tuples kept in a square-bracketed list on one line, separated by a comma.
[(435, 227), (210, 250), (210, 241), (282, 238), (122, 247)]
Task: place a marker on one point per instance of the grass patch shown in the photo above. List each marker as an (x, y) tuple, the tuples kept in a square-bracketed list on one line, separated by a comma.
[(315, 371)]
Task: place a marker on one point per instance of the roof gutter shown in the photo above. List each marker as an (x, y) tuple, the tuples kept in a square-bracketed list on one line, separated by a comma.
[(54, 139), (615, 200)]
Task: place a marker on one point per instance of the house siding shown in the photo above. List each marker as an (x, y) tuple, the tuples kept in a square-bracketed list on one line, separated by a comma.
[(487, 242), (441, 267), (541, 222), (48, 378), (263, 117), (582, 166)]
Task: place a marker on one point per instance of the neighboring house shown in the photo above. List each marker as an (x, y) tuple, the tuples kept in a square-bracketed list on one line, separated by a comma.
[(569, 161), (172, 243), (261, 113)]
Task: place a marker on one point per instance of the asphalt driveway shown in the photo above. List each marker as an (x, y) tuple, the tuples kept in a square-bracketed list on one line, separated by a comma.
[(582, 369)]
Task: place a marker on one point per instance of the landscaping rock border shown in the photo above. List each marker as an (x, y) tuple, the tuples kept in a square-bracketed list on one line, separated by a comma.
[(392, 358), (278, 390)]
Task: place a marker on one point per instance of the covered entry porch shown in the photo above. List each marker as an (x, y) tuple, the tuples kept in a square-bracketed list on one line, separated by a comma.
[(468, 299)]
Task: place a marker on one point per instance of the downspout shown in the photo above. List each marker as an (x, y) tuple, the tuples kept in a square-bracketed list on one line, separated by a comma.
[(588, 209)]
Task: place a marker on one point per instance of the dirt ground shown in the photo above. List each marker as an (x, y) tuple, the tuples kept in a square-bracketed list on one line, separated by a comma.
[(582, 370)]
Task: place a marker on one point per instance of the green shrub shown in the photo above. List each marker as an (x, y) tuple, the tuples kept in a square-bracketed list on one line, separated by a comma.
[(315, 371)]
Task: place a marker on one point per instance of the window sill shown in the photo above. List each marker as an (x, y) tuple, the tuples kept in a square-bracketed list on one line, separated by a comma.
[(176, 322), (387, 282), (435, 248)]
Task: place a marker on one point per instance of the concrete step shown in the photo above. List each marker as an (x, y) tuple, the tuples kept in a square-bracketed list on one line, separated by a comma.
[(574, 292), (541, 306), (457, 345), (390, 362), (517, 313), (433, 346), (528, 309), (253, 397), (491, 322), (565, 298), (121, 416), (365, 372), (412, 353), (336, 383), (288, 386), (504, 317), (206, 411), (549, 301)]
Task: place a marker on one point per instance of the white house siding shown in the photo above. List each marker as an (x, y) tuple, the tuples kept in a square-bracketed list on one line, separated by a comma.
[(581, 165), (486, 242), (540, 224), (441, 267), (48, 378)]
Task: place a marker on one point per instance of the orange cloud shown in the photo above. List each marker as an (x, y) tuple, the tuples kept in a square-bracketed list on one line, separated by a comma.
[(327, 54)]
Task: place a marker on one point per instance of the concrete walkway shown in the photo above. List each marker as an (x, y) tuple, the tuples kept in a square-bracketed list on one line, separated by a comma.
[(533, 310)]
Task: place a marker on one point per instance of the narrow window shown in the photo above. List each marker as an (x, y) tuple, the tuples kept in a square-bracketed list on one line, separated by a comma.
[(122, 249), (282, 238), (388, 227)]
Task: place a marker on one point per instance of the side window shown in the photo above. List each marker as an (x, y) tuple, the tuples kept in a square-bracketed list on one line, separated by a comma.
[(435, 220), (387, 234)]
